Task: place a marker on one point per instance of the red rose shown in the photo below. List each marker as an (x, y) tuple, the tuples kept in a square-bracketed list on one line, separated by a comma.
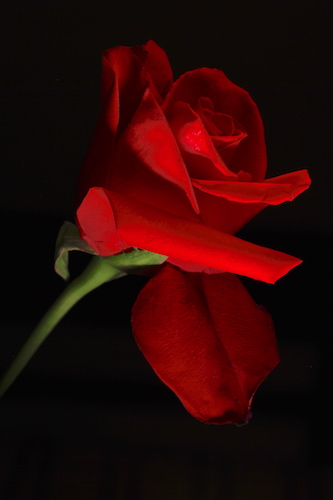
[(177, 168)]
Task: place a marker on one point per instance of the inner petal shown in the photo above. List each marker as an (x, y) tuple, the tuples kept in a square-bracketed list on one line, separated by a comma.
[(195, 144), (226, 133)]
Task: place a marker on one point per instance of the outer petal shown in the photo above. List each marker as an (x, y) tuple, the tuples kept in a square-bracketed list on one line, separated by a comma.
[(135, 68), (98, 161), (126, 73), (97, 225), (127, 67), (271, 191), (207, 340), (157, 66), (148, 228), (232, 100)]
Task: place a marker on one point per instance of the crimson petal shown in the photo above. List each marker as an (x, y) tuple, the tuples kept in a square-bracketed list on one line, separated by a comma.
[(150, 137), (127, 67), (158, 67), (231, 100), (271, 191), (106, 218), (196, 145), (207, 340)]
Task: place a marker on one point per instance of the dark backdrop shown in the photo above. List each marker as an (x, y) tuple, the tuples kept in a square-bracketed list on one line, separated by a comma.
[(50, 66)]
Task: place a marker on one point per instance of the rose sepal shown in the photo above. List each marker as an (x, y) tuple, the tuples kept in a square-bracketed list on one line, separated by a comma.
[(69, 239)]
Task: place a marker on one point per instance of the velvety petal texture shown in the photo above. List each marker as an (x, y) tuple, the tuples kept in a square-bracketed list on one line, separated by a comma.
[(177, 168), (207, 340), (120, 223)]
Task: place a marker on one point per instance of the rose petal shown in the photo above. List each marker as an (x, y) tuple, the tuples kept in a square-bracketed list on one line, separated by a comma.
[(271, 191), (229, 99), (193, 268), (127, 67), (121, 69), (224, 215), (207, 340), (133, 68), (148, 228), (151, 138), (196, 145), (109, 98), (96, 222), (133, 178), (157, 66), (225, 132)]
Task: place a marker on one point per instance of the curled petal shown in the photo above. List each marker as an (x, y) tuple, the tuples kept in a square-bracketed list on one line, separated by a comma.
[(97, 225), (272, 191), (150, 137), (196, 145), (157, 66), (135, 68), (146, 227), (127, 67), (226, 133), (231, 100), (207, 340)]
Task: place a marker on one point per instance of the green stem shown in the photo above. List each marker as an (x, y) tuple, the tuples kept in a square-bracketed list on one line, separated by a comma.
[(97, 272)]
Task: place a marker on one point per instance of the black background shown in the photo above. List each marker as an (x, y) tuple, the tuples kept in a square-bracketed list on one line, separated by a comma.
[(50, 71)]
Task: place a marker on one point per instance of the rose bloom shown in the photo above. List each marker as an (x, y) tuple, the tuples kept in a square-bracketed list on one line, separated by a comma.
[(177, 168)]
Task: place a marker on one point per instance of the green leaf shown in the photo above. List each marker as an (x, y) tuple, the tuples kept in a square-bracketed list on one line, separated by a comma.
[(68, 239)]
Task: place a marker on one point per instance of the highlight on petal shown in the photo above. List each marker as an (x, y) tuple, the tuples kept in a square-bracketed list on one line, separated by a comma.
[(207, 340), (196, 145), (272, 191), (148, 228)]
